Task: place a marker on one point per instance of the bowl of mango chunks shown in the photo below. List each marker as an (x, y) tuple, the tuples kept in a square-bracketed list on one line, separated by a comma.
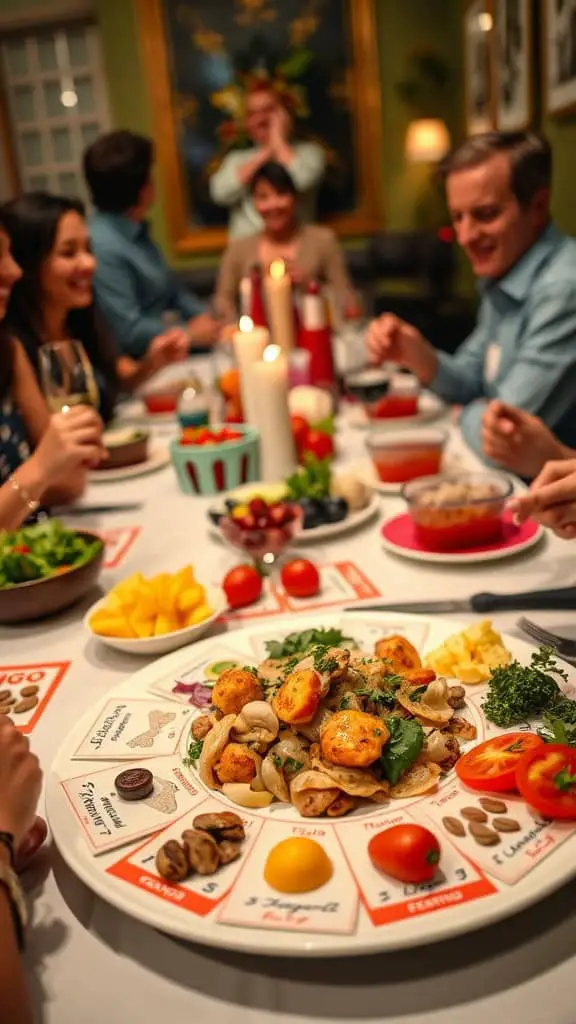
[(156, 615)]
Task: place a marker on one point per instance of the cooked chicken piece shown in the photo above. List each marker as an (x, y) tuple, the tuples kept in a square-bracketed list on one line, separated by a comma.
[(399, 653), (342, 805), (272, 670), (312, 793), (365, 671), (456, 697), (298, 699), (342, 696), (201, 727), (213, 746), (237, 763), (235, 688), (462, 728), (353, 739)]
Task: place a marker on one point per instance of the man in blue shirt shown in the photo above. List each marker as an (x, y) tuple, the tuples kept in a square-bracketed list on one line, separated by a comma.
[(135, 289), (523, 350)]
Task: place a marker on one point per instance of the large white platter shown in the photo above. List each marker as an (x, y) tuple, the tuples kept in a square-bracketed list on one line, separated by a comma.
[(459, 917)]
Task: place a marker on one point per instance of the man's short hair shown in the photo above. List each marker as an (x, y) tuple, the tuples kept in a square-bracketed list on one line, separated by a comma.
[(117, 166), (530, 159)]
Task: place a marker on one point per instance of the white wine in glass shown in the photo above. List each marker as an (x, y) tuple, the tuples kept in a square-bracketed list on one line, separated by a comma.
[(67, 376)]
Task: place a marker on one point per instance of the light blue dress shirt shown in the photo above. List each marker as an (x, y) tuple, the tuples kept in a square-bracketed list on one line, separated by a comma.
[(134, 285), (523, 349)]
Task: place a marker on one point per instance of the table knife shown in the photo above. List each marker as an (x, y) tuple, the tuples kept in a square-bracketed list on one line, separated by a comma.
[(562, 598), (96, 510)]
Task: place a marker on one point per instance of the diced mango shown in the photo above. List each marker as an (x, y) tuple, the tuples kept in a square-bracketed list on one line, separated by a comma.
[(191, 598), (165, 624), (199, 614), (143, 628), (109, 624)]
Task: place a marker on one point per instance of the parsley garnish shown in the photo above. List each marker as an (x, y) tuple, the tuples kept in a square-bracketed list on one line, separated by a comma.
[(277, 760), (518, 693), (194, 751), (291, 765), (378, 697), (298, 643)]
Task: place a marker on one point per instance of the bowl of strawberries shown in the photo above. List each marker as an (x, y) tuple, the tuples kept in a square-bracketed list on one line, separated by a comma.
[(259, 528)]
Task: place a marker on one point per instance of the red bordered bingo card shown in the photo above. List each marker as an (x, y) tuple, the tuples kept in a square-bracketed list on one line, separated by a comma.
[(47, 676), (387, 900), (342, 582), (118, 542), (199, 894)]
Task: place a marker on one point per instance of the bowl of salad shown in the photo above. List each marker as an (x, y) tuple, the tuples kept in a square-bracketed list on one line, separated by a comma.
[(45, 568)]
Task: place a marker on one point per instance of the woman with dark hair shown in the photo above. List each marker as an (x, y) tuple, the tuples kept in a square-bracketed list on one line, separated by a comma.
[(43, 458), (310, 251), (54, 300)]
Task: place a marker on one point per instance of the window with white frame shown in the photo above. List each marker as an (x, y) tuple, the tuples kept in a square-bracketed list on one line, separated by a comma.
[(54, 86)]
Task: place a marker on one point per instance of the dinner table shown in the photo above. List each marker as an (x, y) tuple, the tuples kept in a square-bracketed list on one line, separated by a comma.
[(88, 962)]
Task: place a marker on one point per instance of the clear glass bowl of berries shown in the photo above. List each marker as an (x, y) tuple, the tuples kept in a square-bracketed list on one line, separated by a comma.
[(260, 529)]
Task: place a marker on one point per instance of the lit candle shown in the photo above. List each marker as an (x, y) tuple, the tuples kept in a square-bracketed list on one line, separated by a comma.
[(272, 417), (280, 306), (249, 343)]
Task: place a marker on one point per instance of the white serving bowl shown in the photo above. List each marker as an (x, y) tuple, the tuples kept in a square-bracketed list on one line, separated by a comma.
[(157, 645)]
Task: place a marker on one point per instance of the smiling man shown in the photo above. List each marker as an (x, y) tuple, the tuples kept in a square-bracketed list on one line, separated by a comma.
[(523, 350)]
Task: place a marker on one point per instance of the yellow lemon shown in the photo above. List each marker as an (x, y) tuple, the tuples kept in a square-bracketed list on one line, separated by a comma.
[(297, 865)]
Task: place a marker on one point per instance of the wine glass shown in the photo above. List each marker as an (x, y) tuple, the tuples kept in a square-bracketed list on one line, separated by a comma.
[(67, 376)]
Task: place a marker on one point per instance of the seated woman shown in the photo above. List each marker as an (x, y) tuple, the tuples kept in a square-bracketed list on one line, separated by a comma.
[(309, 250), (43, 458), (54, 300)]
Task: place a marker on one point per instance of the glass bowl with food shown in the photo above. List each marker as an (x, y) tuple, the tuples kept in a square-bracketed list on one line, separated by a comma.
[(406, 454), (454, 512), (260, 529)]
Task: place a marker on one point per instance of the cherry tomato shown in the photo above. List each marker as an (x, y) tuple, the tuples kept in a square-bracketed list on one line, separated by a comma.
[(300, 578), (546, 778), (242, 586), (300, 430), (318, 444), (491, 766), (409, 853), (21, 549)]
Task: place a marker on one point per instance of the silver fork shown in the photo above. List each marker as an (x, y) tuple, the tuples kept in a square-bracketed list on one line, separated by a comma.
[(564, 648)]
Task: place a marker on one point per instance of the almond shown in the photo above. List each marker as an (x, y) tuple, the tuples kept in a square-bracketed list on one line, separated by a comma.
[(506, 824), (492, 805), (454, 826), (473, 814), (25, 705), (483, 835), (29, 691)]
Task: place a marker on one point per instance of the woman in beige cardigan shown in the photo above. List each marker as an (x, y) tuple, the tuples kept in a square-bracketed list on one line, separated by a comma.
[(311, 252)]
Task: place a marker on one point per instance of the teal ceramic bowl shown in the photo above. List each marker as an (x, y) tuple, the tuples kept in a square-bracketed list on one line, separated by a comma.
[(213, 468)]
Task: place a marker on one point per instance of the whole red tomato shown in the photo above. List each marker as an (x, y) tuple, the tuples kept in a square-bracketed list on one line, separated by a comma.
[(242, 586), (300, 578), (319, 444), (300, 430), (409, 853)]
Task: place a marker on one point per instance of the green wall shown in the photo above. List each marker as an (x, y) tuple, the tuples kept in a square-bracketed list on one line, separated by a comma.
[(402, 26)]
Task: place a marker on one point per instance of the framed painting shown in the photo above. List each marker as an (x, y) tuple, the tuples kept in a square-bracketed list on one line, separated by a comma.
[(559, 40), (477, 31), (513, 63), (201, 55)]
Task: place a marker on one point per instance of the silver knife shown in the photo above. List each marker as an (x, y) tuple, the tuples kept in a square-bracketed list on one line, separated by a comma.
[(90, 510), (562, 598)]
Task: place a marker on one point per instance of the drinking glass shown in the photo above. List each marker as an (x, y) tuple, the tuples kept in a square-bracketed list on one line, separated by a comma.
[(67, 376)]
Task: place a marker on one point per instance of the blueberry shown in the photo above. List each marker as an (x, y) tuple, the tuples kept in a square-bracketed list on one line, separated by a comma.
[(313, 513), (215, 516), (230, 503), (335, 509)]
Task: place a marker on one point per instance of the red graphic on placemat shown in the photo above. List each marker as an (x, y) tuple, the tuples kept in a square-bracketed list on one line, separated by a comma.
[(401, 533), (34, 684), (118, 542)]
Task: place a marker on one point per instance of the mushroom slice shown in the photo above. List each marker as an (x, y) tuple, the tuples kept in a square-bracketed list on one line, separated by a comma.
[(433, 706), (442, 748), (257, 725), (354, 781), (223, 825), (214, 744), (367, 671), (312, 730), (312, 793), (420, 778), (273, 778), (461, 727)]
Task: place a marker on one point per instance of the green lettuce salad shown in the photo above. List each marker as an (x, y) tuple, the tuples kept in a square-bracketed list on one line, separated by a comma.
[(44, 549)]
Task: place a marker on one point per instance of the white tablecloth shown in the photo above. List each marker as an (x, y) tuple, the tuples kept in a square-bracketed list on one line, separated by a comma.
[(89, 963)]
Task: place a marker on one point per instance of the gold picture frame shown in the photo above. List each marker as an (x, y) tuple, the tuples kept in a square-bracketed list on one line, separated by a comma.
[(513, 54), (364, 88), (558, 60), (477, 49)]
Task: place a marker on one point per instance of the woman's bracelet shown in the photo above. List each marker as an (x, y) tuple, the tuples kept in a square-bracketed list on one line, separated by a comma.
[(31, 504)]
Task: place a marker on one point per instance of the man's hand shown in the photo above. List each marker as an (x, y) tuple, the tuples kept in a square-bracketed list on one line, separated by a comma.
[(170, 347), (551, 499), (517, 440), (390, 339), (203, 330)]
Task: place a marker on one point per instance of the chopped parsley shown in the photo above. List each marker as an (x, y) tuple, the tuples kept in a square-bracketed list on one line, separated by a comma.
[(518, 693), (382, 698), (291, 765), (417, 694), (322, 663), (277, 761), (299, 643), (194, 751)]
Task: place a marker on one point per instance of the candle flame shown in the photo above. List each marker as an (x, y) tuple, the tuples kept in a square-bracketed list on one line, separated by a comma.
[(245, 324), (271, 353), (277, 269)]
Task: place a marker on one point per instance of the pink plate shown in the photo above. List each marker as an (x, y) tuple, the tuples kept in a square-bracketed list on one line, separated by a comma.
[(399, 536)]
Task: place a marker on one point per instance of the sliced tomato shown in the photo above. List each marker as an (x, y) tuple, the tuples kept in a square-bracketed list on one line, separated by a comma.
[(546, 778), (491, 766)]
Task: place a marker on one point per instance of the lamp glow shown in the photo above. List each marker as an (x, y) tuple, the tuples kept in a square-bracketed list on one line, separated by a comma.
[(427, 140)]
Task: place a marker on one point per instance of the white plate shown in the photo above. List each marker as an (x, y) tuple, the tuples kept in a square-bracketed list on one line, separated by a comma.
[(157, 645), (421, 929), (158, 457), (430, 408), (353, 521)]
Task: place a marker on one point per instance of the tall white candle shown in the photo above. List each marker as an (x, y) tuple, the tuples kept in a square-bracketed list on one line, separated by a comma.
[(245, 296), (280, 305), (272, 418), (249, 343)]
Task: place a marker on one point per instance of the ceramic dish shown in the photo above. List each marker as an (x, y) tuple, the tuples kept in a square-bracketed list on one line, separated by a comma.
[(158, 457), (430, 408), (399, 537)]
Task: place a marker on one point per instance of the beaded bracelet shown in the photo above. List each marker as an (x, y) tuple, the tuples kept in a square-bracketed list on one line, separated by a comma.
[(30, 502)]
